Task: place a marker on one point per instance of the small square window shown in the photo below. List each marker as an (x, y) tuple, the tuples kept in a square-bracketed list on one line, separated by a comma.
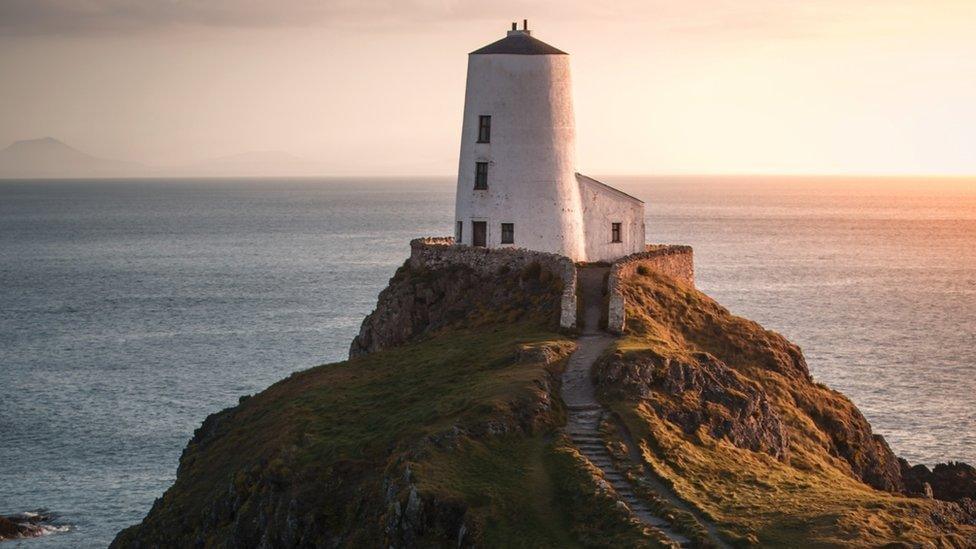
[(615, 232), (480, 176), (508, 233), (484, 129)]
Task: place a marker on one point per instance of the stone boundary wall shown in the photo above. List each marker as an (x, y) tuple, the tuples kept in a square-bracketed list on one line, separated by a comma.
[(675, 261), (435, 252)]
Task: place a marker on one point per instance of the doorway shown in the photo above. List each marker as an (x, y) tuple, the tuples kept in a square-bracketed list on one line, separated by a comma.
[(479, 233)]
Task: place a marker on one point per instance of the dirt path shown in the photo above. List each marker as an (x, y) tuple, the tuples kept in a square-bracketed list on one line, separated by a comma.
[(586, 413)]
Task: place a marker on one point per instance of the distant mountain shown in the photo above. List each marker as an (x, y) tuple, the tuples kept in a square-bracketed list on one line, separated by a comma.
[(48, 157)]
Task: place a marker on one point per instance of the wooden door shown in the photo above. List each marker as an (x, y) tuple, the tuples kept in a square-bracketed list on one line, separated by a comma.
[(479, 233)]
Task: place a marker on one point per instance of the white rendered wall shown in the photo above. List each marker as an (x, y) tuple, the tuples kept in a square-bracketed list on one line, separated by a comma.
[(603, 206), (532, 154)]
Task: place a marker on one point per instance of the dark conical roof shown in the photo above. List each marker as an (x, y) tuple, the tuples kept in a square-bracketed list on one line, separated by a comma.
[(519, 43)]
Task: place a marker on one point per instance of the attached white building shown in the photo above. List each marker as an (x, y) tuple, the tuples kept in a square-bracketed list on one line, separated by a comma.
[(517, 180)]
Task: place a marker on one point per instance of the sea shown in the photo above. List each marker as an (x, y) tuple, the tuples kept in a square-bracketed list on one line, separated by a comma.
[(132, 309)]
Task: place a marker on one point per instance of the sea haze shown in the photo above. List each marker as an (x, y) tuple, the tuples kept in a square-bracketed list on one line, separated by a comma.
[(129, 310)]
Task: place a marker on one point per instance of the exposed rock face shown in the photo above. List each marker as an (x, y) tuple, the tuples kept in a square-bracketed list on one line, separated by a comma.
[(418, 301), (735, 378), (952, 481), (15, 530), (413, 447), (850, 436), (27, 525), (323, 458), (702, 393)]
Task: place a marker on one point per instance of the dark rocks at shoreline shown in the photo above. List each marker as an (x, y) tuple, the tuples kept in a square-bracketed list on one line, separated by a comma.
[(952, 481), (23, 525)]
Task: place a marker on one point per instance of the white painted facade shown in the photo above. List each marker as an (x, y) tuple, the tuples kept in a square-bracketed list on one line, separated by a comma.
[(603, 206), (524, 85)]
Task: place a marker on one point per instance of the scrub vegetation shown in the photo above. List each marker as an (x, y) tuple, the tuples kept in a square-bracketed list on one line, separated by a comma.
[(727, 414), (452, 438)]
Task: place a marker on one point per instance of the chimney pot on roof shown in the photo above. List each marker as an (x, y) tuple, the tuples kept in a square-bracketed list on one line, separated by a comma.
[(525, 24), (514, 25)]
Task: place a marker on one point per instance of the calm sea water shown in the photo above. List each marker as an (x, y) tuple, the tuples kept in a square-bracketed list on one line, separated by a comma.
[(129, 310)]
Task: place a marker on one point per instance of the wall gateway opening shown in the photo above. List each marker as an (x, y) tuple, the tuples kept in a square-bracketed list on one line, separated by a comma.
[(479, 233)]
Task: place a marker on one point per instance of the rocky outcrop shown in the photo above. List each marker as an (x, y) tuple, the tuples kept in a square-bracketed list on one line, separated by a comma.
[(952, 481), (324, 458), (421, 299), (26, 525), (849, 436), (698, 392), (16, 530), (737, 379), (446, 438)]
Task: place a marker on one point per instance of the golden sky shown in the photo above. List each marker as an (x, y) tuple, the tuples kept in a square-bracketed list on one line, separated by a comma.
[(376, 87)]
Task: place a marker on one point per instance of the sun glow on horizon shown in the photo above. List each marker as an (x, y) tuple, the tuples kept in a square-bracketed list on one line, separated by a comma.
[(759, 87)]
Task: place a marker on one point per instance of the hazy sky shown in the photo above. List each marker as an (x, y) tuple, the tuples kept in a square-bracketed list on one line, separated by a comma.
[(376, 87)]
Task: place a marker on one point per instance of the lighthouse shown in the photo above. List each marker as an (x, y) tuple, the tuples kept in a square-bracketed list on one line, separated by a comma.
[(518, 185)]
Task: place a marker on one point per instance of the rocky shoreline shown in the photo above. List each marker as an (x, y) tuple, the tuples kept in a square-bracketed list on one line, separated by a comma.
[(28, 525)]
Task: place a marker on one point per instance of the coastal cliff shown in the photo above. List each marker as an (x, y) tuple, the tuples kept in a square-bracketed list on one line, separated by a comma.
[(444, 429)]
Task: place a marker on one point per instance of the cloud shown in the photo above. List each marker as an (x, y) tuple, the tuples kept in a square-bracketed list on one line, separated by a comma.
[(121, 16), (20, 17), (692, 17)]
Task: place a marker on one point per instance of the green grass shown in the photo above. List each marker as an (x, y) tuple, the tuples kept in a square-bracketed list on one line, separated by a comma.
[(811, 499), (330, 440), (509, 487)]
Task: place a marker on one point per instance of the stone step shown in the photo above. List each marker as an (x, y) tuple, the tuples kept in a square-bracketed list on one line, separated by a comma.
[(588, 437), (581, 431), (587, 416), (593, 447), (589, 442), (585, 408)]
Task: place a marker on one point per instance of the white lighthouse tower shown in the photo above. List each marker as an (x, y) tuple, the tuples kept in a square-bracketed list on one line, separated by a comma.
[(517, 180)]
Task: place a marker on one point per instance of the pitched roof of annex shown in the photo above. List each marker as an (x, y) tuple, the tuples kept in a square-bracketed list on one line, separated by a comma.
[(587, 179)]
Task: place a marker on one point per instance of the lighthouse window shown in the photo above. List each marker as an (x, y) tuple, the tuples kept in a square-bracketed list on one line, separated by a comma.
[(460, 230), (484, 129), (480, 176), (508, 233), (615, 232)]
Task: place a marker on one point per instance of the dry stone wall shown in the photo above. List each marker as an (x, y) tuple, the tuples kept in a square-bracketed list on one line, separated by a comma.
[(438, 252), (671, 260)]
